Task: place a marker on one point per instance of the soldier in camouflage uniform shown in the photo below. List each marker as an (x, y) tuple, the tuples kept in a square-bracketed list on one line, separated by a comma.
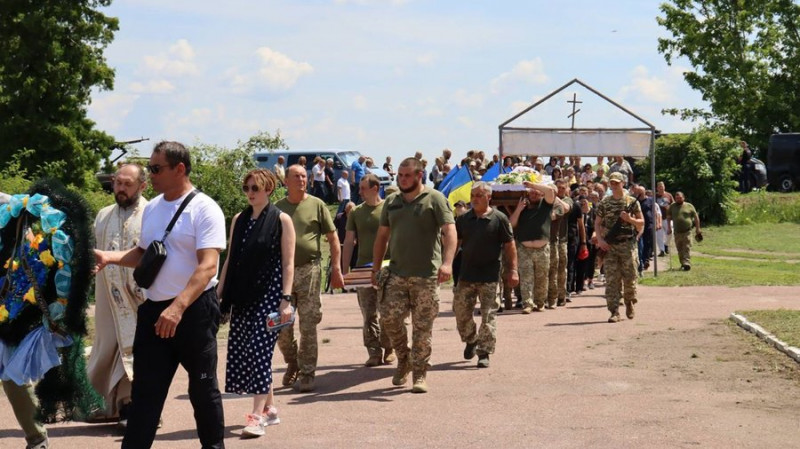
[(557, 285), (483, 232), (618, 220), (418, 228), (362, 226), (311, 220), (531, 222)]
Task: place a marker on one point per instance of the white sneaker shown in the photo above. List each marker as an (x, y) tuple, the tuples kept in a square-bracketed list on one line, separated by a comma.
[(254, 426), (271, 416)]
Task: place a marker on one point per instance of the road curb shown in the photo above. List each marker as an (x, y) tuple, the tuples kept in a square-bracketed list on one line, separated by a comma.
[(765, 335)]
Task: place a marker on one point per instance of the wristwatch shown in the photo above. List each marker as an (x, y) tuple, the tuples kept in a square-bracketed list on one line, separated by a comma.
[(288, 298)]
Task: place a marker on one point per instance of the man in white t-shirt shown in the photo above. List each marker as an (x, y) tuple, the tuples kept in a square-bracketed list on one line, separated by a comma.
[(343, 187), (318, 174), (178, 322), (280, 169)]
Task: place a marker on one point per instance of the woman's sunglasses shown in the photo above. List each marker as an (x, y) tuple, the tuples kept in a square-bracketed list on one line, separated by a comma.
[(253, 188)]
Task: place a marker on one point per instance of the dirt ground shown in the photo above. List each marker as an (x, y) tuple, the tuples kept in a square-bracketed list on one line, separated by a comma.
[(678, 375)]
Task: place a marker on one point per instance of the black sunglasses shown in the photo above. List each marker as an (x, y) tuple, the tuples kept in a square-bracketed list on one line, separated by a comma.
[(155, 169), (254, 188)]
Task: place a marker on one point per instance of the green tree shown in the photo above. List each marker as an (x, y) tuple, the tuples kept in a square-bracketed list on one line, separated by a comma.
[(702, 166), (219, 171), (51, 57), (745, 57)]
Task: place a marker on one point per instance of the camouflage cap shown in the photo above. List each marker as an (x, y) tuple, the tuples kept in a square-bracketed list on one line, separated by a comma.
[(616, 177)]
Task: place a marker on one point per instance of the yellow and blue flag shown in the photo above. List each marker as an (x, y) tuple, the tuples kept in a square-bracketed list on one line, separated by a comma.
[(494, 171), (458, 187)]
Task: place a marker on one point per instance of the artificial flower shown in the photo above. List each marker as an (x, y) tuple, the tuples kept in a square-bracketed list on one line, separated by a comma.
[(30, 296), (47, 258), (3, 313), (36, 241)]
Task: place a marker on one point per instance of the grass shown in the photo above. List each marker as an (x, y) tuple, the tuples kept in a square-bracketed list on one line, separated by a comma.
[(765, 207), (785, 324), (760, 253)]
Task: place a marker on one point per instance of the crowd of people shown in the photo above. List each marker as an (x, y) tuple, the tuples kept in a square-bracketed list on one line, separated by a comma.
[(544, 249)]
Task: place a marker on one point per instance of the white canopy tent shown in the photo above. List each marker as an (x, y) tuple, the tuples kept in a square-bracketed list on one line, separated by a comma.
[(638, 142)]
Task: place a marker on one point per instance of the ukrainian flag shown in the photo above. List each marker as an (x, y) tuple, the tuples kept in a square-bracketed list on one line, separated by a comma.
[(448, 178), (459, 187), (495, 171)]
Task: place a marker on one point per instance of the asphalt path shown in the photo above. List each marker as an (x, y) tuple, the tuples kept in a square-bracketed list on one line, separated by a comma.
[(675, 376)]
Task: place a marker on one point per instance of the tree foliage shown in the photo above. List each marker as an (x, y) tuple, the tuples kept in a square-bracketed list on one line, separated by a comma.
[(702, 165), (219, 171), (51, 57), (745, 57)]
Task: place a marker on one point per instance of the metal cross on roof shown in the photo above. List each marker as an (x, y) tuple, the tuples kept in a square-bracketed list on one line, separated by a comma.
[(574, 102)]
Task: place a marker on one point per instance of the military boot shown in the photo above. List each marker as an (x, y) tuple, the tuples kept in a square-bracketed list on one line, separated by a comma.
[(401, 372), (290, 376), (388, 356), (305, 384), (420, 386), (614, 318), (629, 310)]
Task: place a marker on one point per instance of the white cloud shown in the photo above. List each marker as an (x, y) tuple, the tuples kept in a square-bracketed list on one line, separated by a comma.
[(109, 110), (278, 71), (152, 87), (360, 102), (178, 61), (466, 121), (429, 107), (529, 72), (647, 87), (463, 98), (426, 58)]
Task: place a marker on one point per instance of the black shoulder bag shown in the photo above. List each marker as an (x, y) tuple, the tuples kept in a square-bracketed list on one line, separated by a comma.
[(156, 253)]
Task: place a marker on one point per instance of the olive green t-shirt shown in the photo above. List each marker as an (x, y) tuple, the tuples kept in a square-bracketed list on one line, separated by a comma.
[(415, 240), (311, 220), (364, 221), (682, 215)]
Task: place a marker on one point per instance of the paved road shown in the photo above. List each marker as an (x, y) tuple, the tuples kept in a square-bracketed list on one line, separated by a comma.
[(676, 376)]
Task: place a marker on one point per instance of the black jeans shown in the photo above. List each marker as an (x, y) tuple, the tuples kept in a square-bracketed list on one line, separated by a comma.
[(155, 361)]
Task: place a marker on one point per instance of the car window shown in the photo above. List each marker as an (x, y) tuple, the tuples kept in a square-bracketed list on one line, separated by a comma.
[(349, 157)]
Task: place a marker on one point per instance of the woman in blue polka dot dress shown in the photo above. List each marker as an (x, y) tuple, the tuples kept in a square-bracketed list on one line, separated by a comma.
[(256, 280)]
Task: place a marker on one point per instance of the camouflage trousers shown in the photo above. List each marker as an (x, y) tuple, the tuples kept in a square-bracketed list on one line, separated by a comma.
[(464, 297), (557, 279), (620, 265), (683, 241), (534, 270), (309, 313), (420, 297), (374, 340)]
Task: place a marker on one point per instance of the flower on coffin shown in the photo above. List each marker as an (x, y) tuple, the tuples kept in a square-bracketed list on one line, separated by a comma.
[(47, 258), (30, 296)]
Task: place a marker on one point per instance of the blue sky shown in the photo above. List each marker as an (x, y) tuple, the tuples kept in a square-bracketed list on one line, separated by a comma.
[(386, 77)]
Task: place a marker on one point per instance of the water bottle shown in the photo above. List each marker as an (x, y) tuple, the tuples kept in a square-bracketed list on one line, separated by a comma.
[(274, 321)]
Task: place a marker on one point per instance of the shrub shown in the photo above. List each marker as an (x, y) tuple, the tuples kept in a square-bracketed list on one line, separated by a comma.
[(702, 165)]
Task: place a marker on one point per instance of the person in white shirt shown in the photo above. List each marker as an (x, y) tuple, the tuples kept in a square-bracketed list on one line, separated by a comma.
[(178, 323), (318, 174), (343, 187), (280, 169)]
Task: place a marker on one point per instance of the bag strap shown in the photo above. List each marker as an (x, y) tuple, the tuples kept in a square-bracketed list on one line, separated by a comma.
[(185, 202)]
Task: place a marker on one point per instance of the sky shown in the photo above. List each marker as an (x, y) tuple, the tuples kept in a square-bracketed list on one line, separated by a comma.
[(384, 77)]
